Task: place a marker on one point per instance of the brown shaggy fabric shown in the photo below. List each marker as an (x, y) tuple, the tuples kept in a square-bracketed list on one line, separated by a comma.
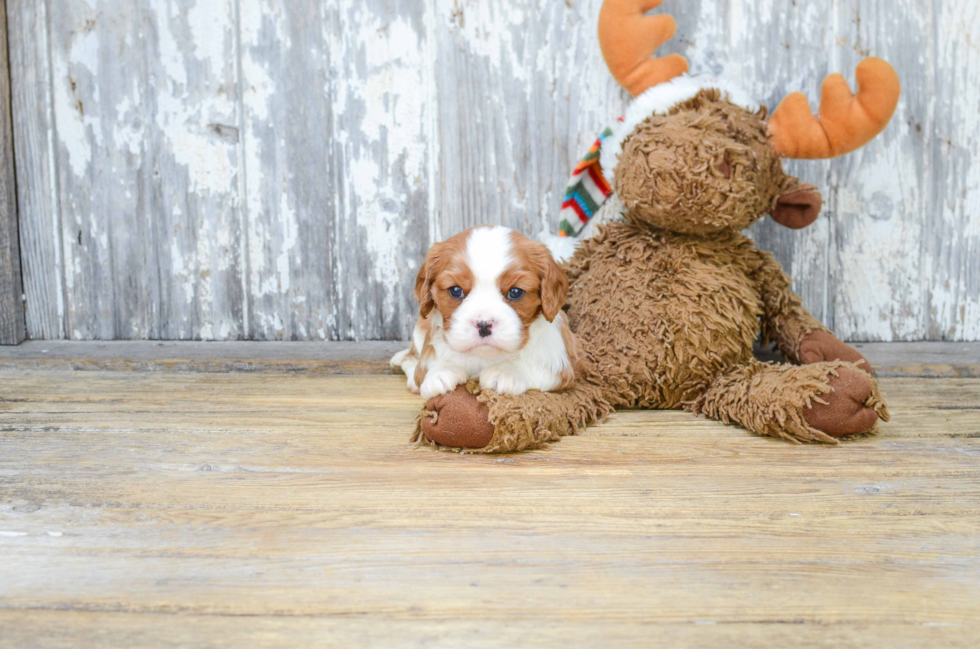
[(657, 314), (775, 400), (784, 320)]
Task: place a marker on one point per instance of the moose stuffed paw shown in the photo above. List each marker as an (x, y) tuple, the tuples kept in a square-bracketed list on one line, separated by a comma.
[(457, 420), (820, 346), (852, 406)]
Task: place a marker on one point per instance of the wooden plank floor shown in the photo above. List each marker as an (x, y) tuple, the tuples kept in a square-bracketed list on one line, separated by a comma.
[(170, 509)]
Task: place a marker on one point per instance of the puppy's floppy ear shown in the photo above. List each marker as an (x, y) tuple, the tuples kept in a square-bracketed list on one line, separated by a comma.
[(423, 287), (554, 283), (797, 206)]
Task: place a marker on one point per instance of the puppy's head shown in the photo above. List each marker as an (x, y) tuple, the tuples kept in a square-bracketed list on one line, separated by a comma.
[(490, 284)]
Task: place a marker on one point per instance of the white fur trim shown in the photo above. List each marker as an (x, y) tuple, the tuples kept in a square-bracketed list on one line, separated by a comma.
[(658, 100), (562, 248)]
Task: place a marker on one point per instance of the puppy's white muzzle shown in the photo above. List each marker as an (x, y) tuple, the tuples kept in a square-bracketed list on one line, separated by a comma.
[(485, 325)]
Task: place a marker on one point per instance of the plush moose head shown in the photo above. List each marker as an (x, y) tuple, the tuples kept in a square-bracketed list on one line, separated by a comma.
[(695, 156)]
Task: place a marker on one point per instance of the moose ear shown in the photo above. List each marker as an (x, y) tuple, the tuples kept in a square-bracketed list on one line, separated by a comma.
[(798, 207)]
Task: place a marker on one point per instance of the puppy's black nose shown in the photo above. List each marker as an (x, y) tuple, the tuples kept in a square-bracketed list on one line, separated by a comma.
[(484, 328)]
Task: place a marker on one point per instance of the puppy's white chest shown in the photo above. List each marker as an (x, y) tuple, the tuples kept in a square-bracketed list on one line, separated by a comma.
[(472, 365)]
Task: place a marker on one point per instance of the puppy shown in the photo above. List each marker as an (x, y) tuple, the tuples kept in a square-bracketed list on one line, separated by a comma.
[(490, 304)]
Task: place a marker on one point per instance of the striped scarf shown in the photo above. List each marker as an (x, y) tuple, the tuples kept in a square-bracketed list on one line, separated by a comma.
[(587, 190)]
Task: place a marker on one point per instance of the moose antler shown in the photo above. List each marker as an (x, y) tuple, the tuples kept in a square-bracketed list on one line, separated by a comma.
[(628, 40), (845, 122)]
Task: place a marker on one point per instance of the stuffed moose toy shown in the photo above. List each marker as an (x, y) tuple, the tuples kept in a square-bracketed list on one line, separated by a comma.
[(666, 296)]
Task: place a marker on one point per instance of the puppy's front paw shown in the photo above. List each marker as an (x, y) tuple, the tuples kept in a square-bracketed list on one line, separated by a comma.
[(399, 358), (410, 383), (502, 380), (440, 382)]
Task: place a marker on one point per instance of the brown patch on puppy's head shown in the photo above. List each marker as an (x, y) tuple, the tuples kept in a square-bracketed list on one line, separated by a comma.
[(535, 272), (444, 267)]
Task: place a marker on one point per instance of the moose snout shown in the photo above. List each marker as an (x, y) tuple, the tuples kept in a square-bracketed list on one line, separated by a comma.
[(485, 327)]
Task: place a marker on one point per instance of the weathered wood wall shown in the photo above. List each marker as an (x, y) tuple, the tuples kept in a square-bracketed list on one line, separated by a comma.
[(276, 169), (12, 329)]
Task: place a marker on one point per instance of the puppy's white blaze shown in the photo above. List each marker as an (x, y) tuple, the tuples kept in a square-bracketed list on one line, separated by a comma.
[(488, 255), (488, 252)]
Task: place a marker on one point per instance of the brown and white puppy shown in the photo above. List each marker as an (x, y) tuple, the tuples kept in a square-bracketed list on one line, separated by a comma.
[(490, 308)]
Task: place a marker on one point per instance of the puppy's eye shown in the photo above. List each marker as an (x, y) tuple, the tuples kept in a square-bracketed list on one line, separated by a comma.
[(515, 294), (456, 293)]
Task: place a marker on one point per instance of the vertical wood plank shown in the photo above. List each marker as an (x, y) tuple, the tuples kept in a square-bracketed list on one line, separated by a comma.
[(12, 326), (883, 199), (147, 163), (337, 100), (951, 243), (37, 195)]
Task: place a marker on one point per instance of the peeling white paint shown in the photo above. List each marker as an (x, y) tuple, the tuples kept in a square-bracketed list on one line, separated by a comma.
[(74, 126), (876, 277), (492, 30), (430, 119), (129, 133), (208, 35), (185, 120), (258, 91), (290, 237), (171, 54), (392, 97)]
